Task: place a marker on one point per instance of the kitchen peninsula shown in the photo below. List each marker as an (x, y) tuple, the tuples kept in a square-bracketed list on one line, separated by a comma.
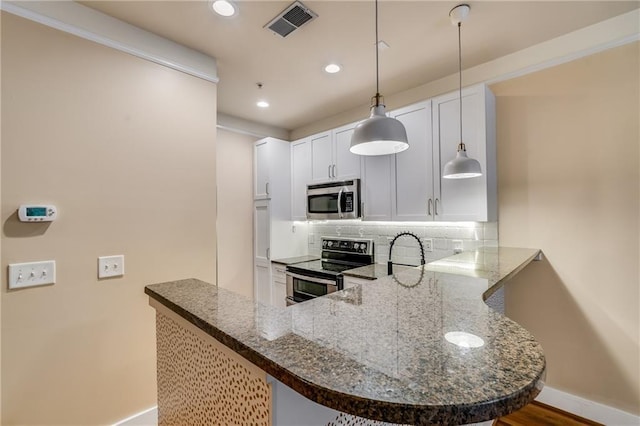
[(420, 347)]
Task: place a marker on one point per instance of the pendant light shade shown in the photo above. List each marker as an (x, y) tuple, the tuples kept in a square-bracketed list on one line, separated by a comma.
[(378, 134), (461, 167)]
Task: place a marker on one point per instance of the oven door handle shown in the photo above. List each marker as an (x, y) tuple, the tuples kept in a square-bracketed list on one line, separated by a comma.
[(313, 279)]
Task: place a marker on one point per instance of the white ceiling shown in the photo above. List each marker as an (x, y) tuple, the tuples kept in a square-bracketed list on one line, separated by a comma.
[(422, 40)]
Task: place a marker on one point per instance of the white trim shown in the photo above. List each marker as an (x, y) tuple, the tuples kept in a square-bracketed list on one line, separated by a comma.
[(247, 127), (585, 408), (98, 27), (148, 417)]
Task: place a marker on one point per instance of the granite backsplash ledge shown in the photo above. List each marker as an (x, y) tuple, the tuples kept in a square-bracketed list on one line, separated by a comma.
[(444, 236)]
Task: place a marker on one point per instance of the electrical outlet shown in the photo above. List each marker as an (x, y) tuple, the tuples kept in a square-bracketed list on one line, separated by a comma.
[(457, 246), (32, 274), (111, 266), (427, 243)]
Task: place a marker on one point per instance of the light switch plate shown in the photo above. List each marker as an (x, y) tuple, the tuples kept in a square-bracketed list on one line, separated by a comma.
[(32, 274), (427, 243), (111, 266)]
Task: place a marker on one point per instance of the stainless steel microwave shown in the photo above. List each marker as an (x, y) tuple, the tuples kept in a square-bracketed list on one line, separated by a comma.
[(334, 200)]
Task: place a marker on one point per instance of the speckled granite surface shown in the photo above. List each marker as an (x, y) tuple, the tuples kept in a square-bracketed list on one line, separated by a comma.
[(379, 350), (297, 259), (372, 272)]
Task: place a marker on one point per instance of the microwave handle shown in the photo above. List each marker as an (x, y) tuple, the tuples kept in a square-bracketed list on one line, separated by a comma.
[(340, 202)]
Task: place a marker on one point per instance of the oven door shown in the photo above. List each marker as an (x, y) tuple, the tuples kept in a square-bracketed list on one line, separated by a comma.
[(334, 200), (303, 287)]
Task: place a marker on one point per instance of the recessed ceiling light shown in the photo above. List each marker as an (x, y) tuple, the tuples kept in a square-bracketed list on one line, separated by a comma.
[(333, 68), (262, 104), (223, 7)]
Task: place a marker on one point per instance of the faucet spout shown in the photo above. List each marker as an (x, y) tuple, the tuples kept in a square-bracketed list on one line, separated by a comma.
[(409, 234)]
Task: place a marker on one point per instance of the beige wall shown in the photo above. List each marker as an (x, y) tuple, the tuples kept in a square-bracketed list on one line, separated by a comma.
[(126, 150), (569, 183), (234, 153)]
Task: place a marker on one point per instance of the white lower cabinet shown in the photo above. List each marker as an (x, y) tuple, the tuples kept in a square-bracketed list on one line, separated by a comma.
[(278, 285)]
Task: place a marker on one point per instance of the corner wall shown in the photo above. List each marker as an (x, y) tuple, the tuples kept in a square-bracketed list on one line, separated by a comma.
[(126, 150), (235, 211), (569, 183)]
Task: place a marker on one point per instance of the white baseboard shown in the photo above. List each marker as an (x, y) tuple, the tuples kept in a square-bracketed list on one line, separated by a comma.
[(585, 408), (147, 417)]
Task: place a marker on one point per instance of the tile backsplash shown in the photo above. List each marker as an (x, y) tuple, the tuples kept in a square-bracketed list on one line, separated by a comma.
[(444, 236)]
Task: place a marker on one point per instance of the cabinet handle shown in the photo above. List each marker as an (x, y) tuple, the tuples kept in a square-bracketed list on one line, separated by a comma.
[(334, 170), (329, 171), (429, 206), (266, 188), (268, 258), (436, 207)]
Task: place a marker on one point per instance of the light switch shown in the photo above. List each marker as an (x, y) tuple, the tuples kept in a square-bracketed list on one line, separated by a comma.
[(32, 274), (111, 266)]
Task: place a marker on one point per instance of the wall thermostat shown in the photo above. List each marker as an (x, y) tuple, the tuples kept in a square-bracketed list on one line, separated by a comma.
[(37, 213)]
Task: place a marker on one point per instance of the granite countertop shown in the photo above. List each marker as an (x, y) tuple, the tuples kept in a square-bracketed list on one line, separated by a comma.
[(297, 259), (379, 350), (374, 271)]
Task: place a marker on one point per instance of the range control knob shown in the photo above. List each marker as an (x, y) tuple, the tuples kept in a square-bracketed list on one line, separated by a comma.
[(330, 243), (363, 247), (355, 246), (324, 244)]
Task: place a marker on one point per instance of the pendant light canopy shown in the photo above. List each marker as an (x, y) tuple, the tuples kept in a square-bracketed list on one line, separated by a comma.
[(461, 167), (378, 134)]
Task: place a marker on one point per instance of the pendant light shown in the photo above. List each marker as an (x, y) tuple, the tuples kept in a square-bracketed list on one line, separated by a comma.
[(378, 134), (461, 167)]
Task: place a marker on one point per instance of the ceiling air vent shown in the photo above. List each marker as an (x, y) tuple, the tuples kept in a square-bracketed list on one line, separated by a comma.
[(292, 18)]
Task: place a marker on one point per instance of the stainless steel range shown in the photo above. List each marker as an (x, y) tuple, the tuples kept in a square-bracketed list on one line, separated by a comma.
[(309, 280)]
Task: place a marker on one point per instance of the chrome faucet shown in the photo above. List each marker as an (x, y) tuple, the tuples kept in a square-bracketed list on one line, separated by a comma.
[(390, 264)]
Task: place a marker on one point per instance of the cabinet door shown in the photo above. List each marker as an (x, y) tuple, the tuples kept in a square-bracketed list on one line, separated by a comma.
[(300, 177), (347, 164), (412, 168), (278, 286), (261, 251), (376, 188), (461, 199), (321, 157), (260, 169)]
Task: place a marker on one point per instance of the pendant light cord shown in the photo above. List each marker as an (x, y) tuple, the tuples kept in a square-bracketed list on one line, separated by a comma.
[(461, 147), (377, 71)]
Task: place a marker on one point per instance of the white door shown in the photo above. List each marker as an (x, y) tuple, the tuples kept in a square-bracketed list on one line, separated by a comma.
[(413, 168), (300, 177), (460, 199), (347, 164), (260, 169), (376, 187), (321, 157), (261, 252)]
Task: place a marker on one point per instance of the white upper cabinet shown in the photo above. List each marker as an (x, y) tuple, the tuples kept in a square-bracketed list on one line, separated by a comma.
[(261, 169), (271, 169), (412, 169), (331, 158), (376, 187), (472, 199), (300, 177), (346, 165), (321, 157)]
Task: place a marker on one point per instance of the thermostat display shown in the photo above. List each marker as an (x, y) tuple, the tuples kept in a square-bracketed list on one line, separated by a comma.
[(37, 213)]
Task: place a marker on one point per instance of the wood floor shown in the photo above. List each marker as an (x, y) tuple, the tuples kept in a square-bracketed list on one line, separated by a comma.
[(538, 413)]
